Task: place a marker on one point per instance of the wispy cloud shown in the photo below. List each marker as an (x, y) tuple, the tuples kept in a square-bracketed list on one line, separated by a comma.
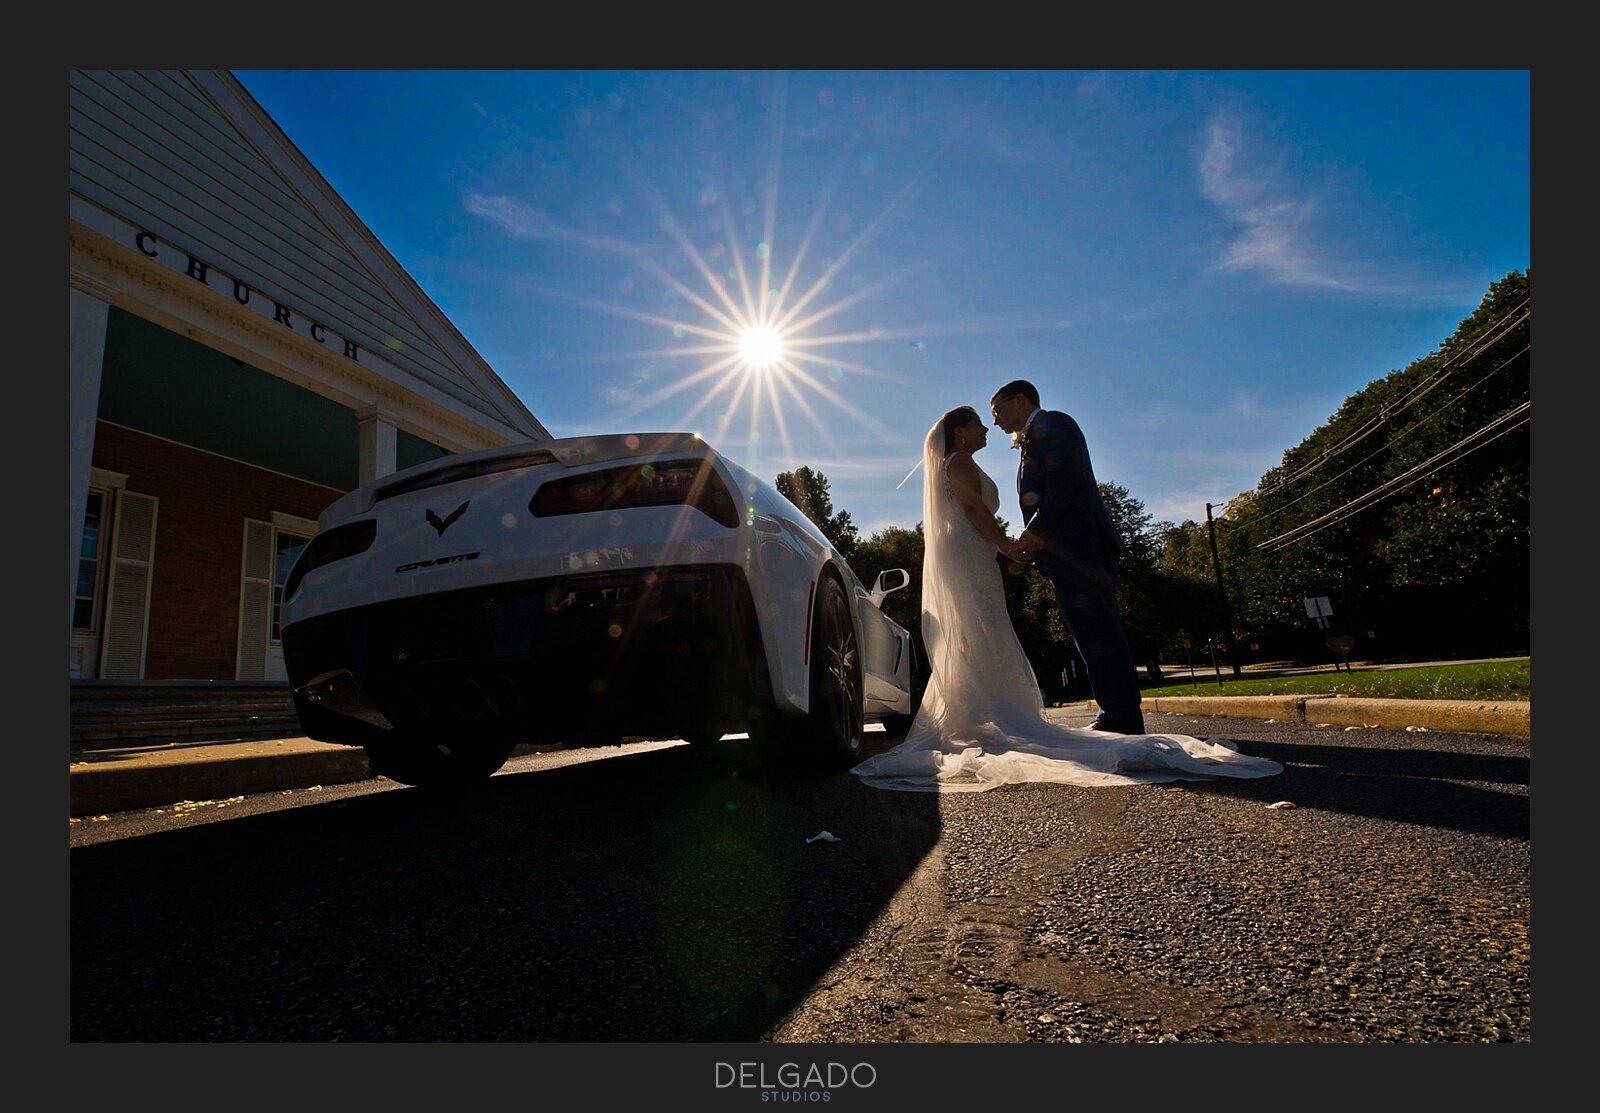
[(1189, 505), (635, 390), (874, 469), (1277, 224), (529, 223), (1273, 235)]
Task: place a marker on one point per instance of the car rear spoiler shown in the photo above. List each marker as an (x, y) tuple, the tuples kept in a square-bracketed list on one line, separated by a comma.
[(570, 452)]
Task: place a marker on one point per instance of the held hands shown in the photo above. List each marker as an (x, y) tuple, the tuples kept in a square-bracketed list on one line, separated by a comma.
[(1022, 549), (1016, 551)]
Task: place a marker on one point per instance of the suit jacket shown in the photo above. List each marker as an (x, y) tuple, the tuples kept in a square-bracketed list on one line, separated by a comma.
[(1057, 491)]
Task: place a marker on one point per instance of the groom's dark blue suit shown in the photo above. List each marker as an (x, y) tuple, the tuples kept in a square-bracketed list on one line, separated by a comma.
[(1061, 503)]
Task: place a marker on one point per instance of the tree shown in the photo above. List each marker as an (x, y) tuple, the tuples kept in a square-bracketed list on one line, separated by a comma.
[(1408, 508), (894, 547), (808, 490), (1146, 596)]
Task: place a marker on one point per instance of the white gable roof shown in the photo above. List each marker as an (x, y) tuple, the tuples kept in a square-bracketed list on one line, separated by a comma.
[(191, 156)]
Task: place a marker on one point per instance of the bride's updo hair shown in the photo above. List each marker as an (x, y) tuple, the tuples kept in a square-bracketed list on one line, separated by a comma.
[(955, 419)]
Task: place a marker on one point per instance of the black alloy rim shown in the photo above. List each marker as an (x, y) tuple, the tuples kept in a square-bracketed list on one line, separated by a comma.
[(839, 659)]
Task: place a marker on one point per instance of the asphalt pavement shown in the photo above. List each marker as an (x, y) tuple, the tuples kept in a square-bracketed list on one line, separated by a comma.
[(115, 779)]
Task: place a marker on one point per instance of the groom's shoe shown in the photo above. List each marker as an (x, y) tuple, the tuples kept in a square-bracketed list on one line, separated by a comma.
[(1110, 725)]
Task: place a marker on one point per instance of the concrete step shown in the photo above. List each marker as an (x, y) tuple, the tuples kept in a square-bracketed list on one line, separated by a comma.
[(116, 713)]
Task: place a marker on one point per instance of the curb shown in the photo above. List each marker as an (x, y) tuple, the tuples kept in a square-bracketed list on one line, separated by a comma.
[(1282, 708), (119, 781), (107, 781), (125, 780), (1509, 717)]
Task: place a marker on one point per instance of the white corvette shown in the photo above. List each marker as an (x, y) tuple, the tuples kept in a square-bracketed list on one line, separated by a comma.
[(580, 591)]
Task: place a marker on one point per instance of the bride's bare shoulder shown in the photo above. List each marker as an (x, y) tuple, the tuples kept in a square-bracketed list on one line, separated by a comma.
[(960, 462), (963, 470)]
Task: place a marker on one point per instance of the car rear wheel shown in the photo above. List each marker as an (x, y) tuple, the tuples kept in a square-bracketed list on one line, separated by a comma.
[(436, 762), (831, 733)]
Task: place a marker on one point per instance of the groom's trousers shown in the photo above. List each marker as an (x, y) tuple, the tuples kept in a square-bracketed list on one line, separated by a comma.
[(1086, 594)]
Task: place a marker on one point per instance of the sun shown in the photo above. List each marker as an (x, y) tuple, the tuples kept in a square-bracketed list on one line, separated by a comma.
[(757, 335), (760, 346)]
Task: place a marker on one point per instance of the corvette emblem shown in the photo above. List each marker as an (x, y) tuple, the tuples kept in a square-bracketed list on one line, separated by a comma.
[(443, 524)]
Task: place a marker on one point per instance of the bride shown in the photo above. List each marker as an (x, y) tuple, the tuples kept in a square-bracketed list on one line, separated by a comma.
[(982, 722)]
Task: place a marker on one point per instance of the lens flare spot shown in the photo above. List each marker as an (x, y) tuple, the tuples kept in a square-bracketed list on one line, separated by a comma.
[(614, 630), (614, 520), (734, 884), (762, 250), (631, 441), (509, 521), (708, 196), (677, 332), (836, 373)]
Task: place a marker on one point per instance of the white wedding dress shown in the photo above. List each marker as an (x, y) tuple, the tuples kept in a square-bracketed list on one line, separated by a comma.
[(982, 722)]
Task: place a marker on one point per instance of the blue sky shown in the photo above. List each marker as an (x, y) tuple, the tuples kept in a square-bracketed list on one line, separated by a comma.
[(1200, 266)]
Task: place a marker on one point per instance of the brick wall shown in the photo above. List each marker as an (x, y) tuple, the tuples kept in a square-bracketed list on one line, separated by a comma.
[(194, 599)]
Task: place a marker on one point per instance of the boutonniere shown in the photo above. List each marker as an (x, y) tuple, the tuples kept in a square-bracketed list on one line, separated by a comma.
[(1019, 439)]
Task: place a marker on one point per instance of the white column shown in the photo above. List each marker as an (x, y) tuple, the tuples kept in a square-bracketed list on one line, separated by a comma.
[(379, 443), (89, 307)]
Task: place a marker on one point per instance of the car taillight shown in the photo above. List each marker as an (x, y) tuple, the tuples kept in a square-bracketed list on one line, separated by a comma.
[(325, 548), (675, 483)]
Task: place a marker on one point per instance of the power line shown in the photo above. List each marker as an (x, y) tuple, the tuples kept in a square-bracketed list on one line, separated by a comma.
[(1402, 435), (1399, 482), (1478, 346)]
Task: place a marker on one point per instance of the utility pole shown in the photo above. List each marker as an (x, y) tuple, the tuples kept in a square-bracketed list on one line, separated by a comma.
[(1222, 593)]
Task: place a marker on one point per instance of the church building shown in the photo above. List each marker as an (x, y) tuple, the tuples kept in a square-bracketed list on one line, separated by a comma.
[(243, 351)]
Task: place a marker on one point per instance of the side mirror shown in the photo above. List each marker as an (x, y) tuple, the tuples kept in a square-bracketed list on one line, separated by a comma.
[(889, 581)]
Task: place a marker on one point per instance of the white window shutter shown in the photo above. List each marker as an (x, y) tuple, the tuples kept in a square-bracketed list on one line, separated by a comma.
[(128, 596), (255, 601)]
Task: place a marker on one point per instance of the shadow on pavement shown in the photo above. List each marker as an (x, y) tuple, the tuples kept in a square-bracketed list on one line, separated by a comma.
[(671, 896), (1434, 788)]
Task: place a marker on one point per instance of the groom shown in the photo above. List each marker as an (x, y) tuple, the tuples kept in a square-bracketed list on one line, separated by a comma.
[(1069, 534)]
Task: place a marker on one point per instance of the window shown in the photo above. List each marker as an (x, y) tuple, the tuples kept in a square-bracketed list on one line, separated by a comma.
[(86, 601), (288, 546)]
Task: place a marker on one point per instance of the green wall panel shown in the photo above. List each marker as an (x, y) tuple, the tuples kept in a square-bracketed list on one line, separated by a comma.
[(159, 382), (409, 450)]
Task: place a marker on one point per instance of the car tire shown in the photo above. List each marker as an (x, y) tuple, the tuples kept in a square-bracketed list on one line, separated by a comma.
[(436, 763), (831, 733)]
